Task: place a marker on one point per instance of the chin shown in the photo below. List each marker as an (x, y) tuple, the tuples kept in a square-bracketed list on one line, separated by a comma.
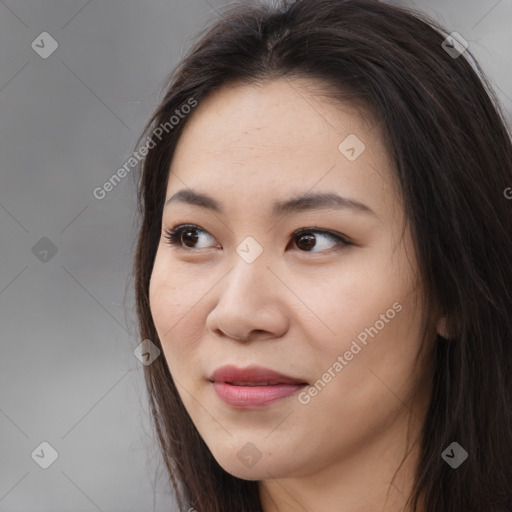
[(247, 474), (249, 464)]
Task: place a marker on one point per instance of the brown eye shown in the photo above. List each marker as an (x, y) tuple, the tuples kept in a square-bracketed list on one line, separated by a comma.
[(185, 236), (307, 239), (189, 237)]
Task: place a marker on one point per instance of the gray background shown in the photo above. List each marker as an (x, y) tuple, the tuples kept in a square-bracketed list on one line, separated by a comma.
[(67, 123)]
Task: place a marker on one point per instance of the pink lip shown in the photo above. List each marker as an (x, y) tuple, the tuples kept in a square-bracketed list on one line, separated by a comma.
[(252, 397)]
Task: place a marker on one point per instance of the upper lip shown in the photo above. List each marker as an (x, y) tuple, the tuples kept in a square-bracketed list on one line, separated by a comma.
[(252, 374)]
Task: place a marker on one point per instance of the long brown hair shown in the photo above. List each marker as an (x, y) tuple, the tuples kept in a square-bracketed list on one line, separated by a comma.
[(452, 155)]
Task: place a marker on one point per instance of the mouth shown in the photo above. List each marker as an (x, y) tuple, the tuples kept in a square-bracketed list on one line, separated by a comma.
[(254, 383), (253, 387), (252, 376)]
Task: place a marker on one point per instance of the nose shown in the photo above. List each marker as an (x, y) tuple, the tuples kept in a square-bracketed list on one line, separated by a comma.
[(250, 303)]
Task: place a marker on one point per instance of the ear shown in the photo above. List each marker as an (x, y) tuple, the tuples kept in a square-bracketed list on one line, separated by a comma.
[(441, 327)]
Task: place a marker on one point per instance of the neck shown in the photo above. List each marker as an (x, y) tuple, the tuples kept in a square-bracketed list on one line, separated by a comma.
[(378, 478)]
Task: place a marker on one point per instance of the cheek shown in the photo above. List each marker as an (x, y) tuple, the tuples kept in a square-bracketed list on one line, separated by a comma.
[(171, 292), (176, 310), (373, 315), (349, 299)]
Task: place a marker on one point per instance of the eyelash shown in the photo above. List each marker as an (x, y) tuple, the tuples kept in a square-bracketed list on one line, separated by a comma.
[(173, 236)]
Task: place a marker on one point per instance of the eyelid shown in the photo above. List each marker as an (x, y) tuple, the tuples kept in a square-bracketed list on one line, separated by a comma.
[(324, 231), (172, 235)]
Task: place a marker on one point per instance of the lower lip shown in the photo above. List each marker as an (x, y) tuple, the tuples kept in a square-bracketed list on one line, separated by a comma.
[(253, 397)]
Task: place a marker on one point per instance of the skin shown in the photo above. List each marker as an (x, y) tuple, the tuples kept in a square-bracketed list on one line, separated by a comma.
[(296, 308)]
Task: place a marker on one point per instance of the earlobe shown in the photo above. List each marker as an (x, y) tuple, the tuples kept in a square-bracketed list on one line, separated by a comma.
[(441, 327)]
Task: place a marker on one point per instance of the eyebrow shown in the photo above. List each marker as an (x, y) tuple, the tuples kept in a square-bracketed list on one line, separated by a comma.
[(299, 203)]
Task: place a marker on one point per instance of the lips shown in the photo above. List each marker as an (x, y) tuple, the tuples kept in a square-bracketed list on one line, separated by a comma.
[(252, 376), (254, 387)]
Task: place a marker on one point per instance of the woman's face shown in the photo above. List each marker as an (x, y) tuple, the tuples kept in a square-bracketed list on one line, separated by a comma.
[(244, 289)]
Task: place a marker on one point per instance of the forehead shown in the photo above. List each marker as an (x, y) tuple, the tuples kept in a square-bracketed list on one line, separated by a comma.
[(281, 114), (279, 137)]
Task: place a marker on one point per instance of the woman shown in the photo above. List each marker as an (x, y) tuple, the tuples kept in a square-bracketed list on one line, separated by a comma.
[(324, 262)]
